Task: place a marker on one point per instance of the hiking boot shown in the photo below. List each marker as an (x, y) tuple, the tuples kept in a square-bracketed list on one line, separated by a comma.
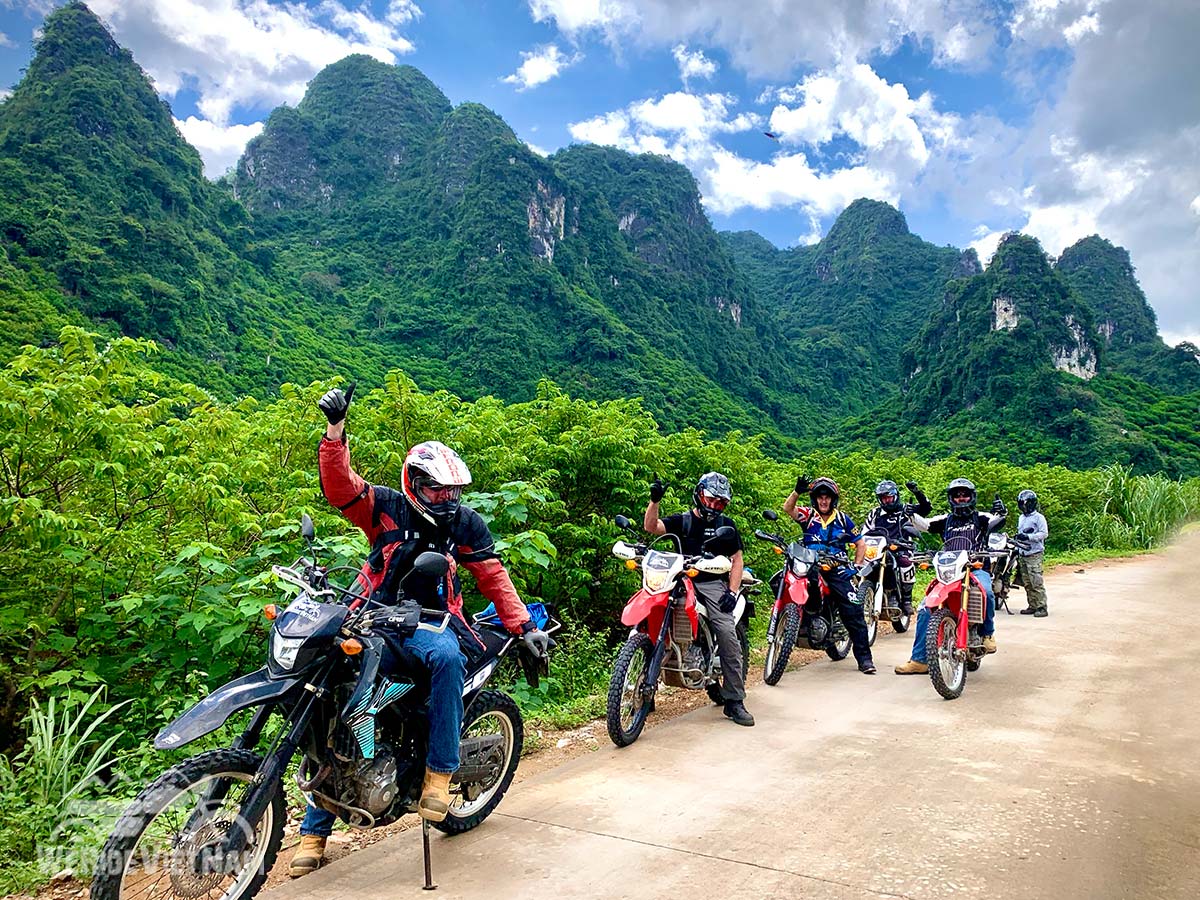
[(307, 857), (435, 796), (989, 644), (736, 710), (912, 667), (1029, 611), (1041, 613)]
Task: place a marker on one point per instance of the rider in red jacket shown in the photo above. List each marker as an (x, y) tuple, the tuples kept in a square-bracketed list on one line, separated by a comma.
[(426, 514)]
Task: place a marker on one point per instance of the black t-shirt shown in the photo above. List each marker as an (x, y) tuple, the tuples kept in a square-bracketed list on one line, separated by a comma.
[(694, 531)]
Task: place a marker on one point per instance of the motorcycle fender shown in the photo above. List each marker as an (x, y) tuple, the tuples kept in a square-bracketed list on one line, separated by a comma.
[(214, 710), (795, 590), (640, 606), (937, 594)]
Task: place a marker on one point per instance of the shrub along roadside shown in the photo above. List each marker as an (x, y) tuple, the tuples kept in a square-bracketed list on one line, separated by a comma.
[(138, 517)]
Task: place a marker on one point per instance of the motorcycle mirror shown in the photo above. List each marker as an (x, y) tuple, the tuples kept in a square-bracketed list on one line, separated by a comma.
[(770, 515), (724, 533), (621, 522), (306, 528), (911, 532), (432, 564)]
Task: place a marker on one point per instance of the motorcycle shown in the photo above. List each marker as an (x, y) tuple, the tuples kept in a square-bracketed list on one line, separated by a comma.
[(669, 635), (879, 584), (796, 619), (957, 607), (212, 825), (1004, 568)]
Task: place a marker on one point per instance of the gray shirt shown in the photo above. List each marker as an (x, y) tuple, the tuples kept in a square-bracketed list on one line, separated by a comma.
[(1037, 540)]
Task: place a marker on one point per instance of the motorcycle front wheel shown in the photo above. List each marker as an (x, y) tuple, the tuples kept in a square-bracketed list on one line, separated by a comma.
[(866, 598), (780, 648), (946, 669), (492, 714), (166, 844), (627, 708)]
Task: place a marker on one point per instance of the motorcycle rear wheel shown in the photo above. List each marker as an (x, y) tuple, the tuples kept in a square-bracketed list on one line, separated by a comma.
[(627, 708), (780, 649), (839, 650), (948, 674), (715, 692), (161, 850), (493, 712)]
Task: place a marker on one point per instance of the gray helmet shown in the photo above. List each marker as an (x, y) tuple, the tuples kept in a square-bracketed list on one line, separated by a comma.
[(957, 485), (712, 494), (888, 488), (1027, 501)]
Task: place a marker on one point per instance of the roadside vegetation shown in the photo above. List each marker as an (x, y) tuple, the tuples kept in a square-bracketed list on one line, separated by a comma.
[(138, 516)]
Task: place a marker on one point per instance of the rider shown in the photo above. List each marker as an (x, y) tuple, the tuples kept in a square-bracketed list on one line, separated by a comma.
[(963, 528), (694, 529), (1032, 532), (425, 515), (828, 528), (888, 519)]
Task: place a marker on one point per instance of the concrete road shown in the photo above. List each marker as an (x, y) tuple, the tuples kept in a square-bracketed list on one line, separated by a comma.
[(1066, 770)]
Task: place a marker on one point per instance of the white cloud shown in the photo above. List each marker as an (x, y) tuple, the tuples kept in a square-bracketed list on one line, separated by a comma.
[(5, 40), (539, 66), (250, 53), (692, 63), (540, 151), (985, 243), (5, 94), (219, 146), (767, 38)]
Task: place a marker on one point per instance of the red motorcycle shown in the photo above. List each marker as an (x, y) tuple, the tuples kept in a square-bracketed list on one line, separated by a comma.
[(798, 619), (669, 633), (957, 605)]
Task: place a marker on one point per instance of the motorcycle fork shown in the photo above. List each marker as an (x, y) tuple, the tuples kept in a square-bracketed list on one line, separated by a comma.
[(650, 688), (773, 622)]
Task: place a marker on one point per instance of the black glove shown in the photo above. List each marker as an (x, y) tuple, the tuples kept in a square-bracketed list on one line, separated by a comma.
[(728, 601), (657, 489), (538, 642), (912, 486), (1029, 529), (998, 507), (802, 484), (335, 403)]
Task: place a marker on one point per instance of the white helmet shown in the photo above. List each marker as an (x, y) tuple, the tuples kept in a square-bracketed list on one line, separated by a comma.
[(434, 476)]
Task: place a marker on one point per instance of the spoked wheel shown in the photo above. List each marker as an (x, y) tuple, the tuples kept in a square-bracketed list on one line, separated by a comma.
[(947, 668), (627, 706), (716, 691), (780, 648), (493, 714), (866, 598), (901, 621), (167, 844), (839, 649)]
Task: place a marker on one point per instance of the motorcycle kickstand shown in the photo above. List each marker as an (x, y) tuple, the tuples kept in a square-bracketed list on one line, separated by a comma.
[(429, 885)]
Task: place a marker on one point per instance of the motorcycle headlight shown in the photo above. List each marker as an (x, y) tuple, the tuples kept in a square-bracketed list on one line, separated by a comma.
[(872, 552), (656, 582), (799, 568), (284, 649), (948, 574)]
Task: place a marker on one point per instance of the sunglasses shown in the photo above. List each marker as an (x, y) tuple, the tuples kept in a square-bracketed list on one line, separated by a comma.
[(961, 495), (717, 503)]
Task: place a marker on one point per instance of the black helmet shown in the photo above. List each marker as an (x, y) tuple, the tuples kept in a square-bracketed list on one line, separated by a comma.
[(1027, 501), (824, 485), (957, 486), (888, 494), (712, 495)]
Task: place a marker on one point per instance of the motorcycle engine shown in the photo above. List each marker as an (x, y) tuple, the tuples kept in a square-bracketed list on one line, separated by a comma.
[(818, 630), (373, 781), (693, 667)]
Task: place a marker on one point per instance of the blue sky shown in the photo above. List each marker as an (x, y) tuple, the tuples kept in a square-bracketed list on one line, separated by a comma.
[(1061, 118)]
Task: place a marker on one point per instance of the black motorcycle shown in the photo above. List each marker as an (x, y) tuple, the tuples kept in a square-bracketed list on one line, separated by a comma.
[(1004, 566), (212, 825), (879, 584)]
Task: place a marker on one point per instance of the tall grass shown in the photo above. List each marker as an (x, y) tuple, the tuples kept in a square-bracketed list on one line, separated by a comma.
[(1138, 512)]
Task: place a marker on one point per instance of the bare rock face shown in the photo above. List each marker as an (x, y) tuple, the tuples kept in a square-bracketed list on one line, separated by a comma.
[(1004, 314), (547, 213), (1076, 356)]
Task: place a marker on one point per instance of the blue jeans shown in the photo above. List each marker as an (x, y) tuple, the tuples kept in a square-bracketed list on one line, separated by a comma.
[(447, 672), (989, 619)]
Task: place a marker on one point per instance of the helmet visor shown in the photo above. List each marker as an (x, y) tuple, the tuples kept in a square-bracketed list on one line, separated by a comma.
[(708, 501), (434, 493), (961, 495)]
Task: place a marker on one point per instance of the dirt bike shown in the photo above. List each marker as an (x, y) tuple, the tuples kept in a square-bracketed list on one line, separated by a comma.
[(1003, 568), (212, 825), (879, 584), (669, 636), (796, 620), (957, 607)]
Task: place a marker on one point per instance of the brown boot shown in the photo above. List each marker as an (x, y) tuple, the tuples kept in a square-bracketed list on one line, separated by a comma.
[(435, 796), (989, 644), (912, 667), (308, 855)]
